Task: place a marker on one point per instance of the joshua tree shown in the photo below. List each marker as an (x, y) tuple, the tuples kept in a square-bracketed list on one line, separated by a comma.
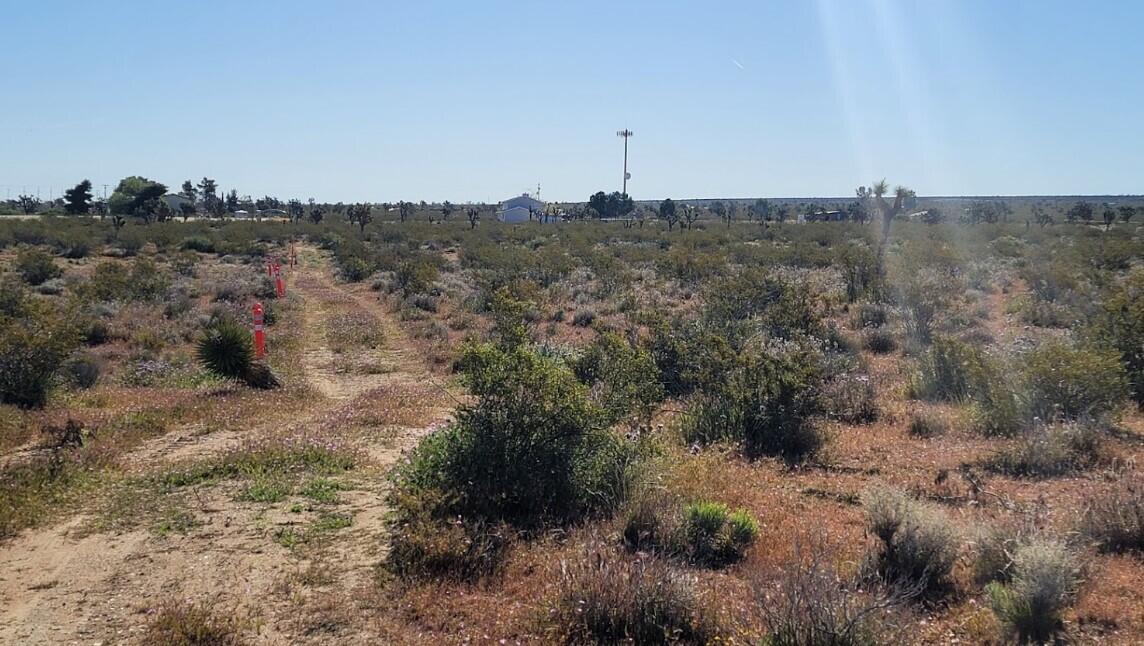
[(474, 217), (888, 212)]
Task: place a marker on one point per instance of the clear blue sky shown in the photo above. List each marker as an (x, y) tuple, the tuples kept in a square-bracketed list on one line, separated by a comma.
[(472, 100)]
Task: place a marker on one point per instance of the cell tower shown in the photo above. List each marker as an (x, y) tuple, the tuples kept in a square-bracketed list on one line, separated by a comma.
[(625, 133)]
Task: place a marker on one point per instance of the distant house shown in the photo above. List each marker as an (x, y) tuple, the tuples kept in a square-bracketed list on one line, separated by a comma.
[(523, 209)]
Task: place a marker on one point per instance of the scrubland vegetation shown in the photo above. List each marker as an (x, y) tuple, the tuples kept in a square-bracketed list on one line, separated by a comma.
[(743, 432)]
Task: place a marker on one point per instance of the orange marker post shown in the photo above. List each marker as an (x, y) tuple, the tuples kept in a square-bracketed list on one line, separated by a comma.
[(279, 288), (270, 269), (259, 335)]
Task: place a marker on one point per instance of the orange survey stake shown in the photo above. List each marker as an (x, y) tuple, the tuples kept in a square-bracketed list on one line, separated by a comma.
[(279, 289), (259, 335)]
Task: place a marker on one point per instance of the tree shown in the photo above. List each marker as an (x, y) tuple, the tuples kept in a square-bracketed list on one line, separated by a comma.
[(1041, 216), (27, 204), (887, 211), (360, 214), (188, 191), (668, 213), (232, 201), (598, 202), (447, 209), (1081, 211), (316, 213), (782, 213), (138, 197), (1109, 217), (295, 209), (690, 214), (721, 211), (761, 209), (187, 209), (474, 217), (1126, 213), (404, 209), (78, 198)]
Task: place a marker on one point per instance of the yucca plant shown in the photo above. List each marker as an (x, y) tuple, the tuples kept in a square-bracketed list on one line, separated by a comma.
[(226, 350)]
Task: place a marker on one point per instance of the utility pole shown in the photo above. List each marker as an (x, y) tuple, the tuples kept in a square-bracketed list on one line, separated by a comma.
[(625, 133)]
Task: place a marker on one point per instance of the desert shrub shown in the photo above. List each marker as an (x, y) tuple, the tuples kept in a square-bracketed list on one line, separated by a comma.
[(622, 378), (771, 304), (923, 424), (811, 604), (94, 331), (1119, 324), (1115, 521), (917, 545), (1064, 381), (225, 349), (1043, 583), (177, 306), (82, 371), (425, 547), (767, 401), (415, 276), (870, 315), (36, 267), (35, 338), (851, 398), (423, 302), (584, 318), (201, 244), (609, 599), (354, 269), (879, 341), (993, 548), (949, 371), (1048, 450), (197, 624), (112, 281), (715, 536), (532, 449)]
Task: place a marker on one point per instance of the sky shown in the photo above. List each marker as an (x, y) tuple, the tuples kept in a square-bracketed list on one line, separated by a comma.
[(480, 101)]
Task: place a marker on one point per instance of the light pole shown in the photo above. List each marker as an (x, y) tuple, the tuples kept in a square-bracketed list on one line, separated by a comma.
[(625, 133)]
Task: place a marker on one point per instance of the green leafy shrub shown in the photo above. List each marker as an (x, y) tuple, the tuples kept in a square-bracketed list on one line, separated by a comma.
[(609, 599), (767, 401), (1119, 325), (415, 276), (622, 378), (870, 315), (201, 244), (716, 536), (35, 339), (949, 371), (1043, 583), (531, 450), (1115, 521), (584, 318), (36, 267), (917, 545), (1070, 382), (113, 281)]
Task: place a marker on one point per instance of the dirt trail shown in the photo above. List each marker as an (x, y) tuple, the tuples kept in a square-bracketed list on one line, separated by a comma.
[(58, 585)]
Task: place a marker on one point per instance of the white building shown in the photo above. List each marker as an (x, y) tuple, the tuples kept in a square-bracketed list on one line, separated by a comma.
[(523, 209)]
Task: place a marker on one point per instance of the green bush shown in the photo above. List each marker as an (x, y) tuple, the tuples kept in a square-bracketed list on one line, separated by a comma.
[(201, 244), (870, 315), (767, 402), (36, 267), (607, 599), (851, 398), (113, 281), (917, 544), (531, 450), (949, 371), (82, 371), (716, 536), (622, 378), (1069, 382), (415, 276), (35, 339), (584, 318), (1043, 583), (1119, 325)]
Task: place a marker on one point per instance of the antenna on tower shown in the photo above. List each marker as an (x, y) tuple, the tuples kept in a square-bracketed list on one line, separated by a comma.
[(538, 190), (626, 134)]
